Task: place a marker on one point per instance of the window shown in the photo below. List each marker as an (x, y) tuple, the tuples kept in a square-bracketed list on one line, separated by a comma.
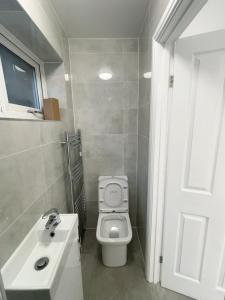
[(20, 82), (20, 79)]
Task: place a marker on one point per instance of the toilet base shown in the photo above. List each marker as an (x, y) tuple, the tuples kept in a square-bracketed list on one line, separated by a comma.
[(114, 256)]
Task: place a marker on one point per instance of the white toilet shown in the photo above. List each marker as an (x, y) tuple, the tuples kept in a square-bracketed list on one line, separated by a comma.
[(114, 230)]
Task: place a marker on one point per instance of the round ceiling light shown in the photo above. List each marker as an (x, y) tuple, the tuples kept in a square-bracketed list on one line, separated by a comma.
[(105, 76)]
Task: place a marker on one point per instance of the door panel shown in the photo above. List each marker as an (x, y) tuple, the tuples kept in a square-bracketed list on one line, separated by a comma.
[(189, 256), (200, 166), (194, 231)]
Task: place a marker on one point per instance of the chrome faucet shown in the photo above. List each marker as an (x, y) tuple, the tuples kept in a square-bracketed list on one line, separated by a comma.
[(53, 220)]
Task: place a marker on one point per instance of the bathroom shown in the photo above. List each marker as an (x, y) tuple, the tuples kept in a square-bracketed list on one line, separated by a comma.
[(96, 130)]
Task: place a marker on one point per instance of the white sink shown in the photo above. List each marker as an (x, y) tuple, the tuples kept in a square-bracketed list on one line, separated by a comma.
[(21, 279)]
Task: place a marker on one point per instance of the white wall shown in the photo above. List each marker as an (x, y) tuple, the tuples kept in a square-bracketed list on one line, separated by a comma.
[(210, 18)]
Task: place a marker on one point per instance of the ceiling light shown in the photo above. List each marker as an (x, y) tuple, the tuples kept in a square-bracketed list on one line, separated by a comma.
[(105, 76), (147, 75)]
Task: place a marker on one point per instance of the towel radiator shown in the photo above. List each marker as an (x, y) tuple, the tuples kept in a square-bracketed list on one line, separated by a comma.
[(76, 178)]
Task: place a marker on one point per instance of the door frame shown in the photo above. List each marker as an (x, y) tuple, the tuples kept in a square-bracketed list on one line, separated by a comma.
[(177, 16)]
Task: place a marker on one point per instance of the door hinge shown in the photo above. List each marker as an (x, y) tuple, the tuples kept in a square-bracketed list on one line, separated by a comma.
[(161, 259), (171, 81)]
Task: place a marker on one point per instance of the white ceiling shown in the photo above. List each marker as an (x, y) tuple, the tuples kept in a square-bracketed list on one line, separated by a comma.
[(101, 18)]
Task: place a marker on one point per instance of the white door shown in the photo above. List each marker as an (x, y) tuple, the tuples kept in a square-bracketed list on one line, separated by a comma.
[(194, 228)]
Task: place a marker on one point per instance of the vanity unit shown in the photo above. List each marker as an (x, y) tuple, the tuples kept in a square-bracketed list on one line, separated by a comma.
[(45, 266)]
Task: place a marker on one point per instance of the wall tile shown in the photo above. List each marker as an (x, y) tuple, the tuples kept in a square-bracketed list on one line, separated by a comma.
[(32, 177), (106, 112), (112, 95), (143, 149), (100, 121), (54, 74), (114, 63), (91, 190), (92, 214), (142, 188), (133, 200), (130, 121), (87, 95), (95, 167), (52, 131), (22, 184), (98, 95), (11, 238), (145, 47), (56, 193), (103, 145), (83, 45), (17, 136), (11, 192), (130, 95), (130, 45), (86, 67), (131, 146), (103, 45), (54, 156), (68, 119), (143, 126), (111, 45), (130, 168), (142, 210), (98, 45), (144, 91), (130, 65)]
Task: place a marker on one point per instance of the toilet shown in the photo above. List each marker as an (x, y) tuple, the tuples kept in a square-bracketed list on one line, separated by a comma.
[(114, 230)]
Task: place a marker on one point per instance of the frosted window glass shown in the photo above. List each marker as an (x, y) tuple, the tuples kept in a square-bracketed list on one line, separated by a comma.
[(20, 79)]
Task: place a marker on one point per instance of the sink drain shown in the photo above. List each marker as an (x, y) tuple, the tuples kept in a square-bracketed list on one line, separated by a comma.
[(41, 263)]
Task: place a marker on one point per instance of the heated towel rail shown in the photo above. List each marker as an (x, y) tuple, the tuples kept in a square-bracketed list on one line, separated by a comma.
[(76, 179)]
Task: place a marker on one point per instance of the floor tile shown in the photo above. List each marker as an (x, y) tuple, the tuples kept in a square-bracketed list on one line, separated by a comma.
[(123, 283)]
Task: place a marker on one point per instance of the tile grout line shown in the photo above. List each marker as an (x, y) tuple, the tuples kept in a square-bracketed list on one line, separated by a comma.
[(30, 149), (29, 206)]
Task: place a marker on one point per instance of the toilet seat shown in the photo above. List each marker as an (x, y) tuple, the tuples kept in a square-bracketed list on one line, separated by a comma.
[(123, 239)]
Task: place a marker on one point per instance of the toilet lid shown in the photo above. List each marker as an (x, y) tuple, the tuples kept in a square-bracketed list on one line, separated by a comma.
[(113, 194)]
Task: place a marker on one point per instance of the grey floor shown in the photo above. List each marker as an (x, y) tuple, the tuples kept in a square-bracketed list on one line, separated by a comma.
[(128, 282)]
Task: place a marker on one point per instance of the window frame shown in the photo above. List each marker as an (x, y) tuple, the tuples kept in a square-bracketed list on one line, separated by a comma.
[(14, 111)]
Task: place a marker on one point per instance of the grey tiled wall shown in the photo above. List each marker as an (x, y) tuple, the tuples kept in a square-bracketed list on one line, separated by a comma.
[(153, 15), (106, 112), (32, 164)]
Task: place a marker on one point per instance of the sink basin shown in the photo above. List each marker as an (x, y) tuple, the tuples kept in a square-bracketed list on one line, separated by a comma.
[(20, 277)]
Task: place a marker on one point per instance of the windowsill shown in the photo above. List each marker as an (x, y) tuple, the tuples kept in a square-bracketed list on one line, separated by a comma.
[(16, 115)]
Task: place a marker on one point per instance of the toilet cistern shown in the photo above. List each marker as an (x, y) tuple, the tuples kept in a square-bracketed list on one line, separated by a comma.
[(53, 220)]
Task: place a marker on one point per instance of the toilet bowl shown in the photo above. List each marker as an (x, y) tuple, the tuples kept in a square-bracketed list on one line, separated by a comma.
[(114, 230)]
